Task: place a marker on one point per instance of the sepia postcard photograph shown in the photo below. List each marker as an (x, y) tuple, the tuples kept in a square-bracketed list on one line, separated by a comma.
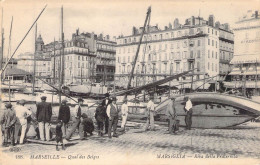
[(142, 82)]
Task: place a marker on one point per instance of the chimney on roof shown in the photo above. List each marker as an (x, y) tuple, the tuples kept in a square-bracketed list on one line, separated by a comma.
[(107, 37), (256, 14), (165, 28), (170, 26), (211, 20)]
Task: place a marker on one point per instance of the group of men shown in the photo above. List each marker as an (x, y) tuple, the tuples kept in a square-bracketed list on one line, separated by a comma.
[(16, 120)]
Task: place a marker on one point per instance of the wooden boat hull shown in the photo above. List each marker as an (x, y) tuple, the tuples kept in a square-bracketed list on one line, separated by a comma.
[(212, 110)]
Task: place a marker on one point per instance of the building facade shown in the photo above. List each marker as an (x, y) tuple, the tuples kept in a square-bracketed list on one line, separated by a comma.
[(87, 59), (105, 62), (246, 59), (196, 44), (25, 61)]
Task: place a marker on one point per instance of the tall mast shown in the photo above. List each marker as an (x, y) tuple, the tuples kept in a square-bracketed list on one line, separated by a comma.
[(54, 63), (61, 57), (2, 34), (10, 38), (34, 58), (148, 14)]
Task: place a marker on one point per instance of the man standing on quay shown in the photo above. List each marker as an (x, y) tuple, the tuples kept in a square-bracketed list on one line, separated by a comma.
[(43, 115), (106, 102), (112, 113), (64, 116), (171, 113), (188, 110), (150, 114)]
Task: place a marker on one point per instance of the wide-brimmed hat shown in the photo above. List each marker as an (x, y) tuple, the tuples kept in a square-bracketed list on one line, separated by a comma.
[(21, 101), (125, 100), (186, 98), (173, 98), (64, 101), (43, 98), (8, 105)]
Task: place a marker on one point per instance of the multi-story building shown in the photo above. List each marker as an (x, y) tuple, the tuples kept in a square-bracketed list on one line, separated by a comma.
[(105, 62), (246, 59), (25, 61), (79, 59), (196, 44)]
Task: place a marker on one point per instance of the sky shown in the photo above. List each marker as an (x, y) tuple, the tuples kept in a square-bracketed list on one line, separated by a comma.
[(106, 16)]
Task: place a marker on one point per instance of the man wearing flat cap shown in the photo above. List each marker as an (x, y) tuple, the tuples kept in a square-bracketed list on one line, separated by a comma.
[(64, 116), (43, 116), (106, 102), (22, 113), (112, 113), (188, 110), (77, 121)]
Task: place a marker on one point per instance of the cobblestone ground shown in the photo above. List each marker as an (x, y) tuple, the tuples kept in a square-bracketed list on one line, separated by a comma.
[(242, 141)]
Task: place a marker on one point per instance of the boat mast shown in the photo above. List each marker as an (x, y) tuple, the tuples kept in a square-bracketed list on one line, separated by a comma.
[(34, 58), (54, 63), (256, 77), (61, 57), (148, 14), (2, 32), (3, 69), (9, 53)]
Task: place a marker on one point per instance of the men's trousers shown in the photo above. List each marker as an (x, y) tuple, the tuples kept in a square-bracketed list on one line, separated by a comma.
[(112, 123), (44, 129)]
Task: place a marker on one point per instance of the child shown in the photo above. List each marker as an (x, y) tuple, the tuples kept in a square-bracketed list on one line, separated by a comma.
[(59, 136), (8, 120)]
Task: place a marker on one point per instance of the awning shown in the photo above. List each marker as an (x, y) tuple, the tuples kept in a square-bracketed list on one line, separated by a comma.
[(241, 59), (239, 84)]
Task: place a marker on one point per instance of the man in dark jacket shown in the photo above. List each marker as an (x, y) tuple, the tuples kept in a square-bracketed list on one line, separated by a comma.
[(100, 117), (106, 102), (112, 113), (43, 115), (64, 116)]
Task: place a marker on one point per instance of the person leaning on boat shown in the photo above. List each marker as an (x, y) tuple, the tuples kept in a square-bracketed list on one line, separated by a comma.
[(150, 114), (64, 116), (43, 115), (124, 111), (22, 113), (77, 121), (188, 110), (106, 102), (112, 113), (172, 116)]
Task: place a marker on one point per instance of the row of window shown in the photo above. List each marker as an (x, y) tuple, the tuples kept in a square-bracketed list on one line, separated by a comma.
[(171, 56), (211, 67), (168, 35), (161, 68), (107, 47), (212, 43), (212, 54), (184, 44)]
